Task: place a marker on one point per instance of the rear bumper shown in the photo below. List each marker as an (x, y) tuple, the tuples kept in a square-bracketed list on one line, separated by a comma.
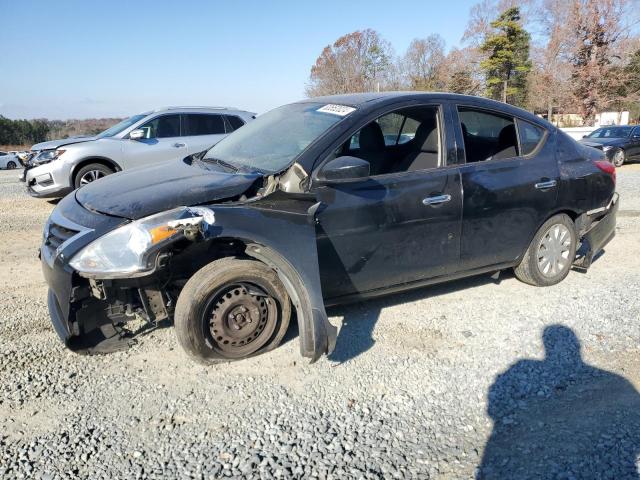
[(599, 233)]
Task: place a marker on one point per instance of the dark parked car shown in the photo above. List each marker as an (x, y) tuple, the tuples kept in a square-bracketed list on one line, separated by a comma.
[(288, 213), (619, 143)]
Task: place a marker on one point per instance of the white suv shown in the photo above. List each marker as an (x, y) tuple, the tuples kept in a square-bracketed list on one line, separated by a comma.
[(59, 166)]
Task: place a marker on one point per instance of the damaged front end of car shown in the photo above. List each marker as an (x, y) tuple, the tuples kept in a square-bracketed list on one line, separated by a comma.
[(112, 279)]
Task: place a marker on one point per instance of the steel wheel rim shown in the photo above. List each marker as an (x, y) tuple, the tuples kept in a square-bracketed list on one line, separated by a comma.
[(239, 319), (554, 250), (91, 176), (618, 158)]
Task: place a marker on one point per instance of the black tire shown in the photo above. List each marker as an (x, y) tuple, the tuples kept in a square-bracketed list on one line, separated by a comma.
[(84, 175), (11, 165), (619, 157), (209, 322), (531, 269)]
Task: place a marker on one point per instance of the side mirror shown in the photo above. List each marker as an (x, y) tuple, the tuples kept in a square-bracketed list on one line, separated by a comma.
[(345, 168), (137, 134), (584, 136)]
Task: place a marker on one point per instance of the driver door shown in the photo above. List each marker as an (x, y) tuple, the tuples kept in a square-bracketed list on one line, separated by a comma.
[(162, 141), (396, 227)]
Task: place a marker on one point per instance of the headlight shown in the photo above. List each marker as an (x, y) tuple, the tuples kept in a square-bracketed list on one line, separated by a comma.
[(47, 156), (126, 251)]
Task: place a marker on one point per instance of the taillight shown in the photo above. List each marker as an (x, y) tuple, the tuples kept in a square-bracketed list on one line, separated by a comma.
[(607, 167)]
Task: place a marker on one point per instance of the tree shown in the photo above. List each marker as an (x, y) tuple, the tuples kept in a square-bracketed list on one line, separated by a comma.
[(549, 80), (460, 72), (423, 63), (507, 63), (357, 62), (600, 31)]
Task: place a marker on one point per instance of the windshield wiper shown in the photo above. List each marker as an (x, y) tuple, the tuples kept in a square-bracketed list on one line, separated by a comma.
[(222, 163)]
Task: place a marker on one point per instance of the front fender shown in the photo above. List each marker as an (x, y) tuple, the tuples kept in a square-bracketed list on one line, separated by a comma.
[(285, 239)]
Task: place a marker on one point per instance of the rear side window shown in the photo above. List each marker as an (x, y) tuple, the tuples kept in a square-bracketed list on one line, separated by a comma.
[(530, 136), (487, 135), (202, 124), (162, 127), (234, 122)]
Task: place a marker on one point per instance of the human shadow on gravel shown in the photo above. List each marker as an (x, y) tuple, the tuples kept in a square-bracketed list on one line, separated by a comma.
[(559, 418), (359, 319)]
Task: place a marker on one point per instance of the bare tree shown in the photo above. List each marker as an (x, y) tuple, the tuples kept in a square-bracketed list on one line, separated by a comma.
[(422, 63), (357, 62), (601, 33), (549, 81)]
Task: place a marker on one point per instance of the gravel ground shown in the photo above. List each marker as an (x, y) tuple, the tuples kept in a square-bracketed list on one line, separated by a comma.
[(450, 381)]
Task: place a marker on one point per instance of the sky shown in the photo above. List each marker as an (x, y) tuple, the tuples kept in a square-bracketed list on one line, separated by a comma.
[(82, 59)]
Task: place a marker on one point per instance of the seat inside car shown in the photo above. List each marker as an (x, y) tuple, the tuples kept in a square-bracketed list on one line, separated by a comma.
[(425, 147), (372, 147), (507, 143)]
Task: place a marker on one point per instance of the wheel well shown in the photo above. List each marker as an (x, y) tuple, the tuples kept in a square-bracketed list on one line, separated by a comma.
[(100, 160)]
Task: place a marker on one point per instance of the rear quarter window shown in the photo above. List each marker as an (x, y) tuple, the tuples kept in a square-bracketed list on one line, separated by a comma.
[(530, 136), (234, 122)]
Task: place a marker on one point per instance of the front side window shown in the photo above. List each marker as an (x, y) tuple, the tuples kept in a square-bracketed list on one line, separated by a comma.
[(402, 141), (119, 127), (273, 141), (487, 135), (530, 136), (202, 124), (165, 126)]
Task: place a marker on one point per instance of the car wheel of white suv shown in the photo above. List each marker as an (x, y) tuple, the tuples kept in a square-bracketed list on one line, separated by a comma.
[(91, 173)]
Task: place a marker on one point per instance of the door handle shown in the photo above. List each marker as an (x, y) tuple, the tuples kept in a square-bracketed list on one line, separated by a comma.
[(437, 200), (545, 185), (179, 145)]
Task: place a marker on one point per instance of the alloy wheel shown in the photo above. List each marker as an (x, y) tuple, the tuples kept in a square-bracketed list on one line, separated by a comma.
[(618, 158), (91, 176), (554, 250)]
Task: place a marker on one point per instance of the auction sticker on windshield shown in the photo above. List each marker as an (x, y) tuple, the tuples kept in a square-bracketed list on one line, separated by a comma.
[(334, 109)]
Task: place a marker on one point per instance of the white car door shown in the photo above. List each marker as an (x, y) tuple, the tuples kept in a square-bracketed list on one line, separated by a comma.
[(162, 141), (202, 130)]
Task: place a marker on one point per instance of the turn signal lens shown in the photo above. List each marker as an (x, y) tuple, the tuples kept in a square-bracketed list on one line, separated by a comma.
[(161, 233)]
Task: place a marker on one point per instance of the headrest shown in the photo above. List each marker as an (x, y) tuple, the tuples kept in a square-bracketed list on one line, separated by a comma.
[(371, 137)]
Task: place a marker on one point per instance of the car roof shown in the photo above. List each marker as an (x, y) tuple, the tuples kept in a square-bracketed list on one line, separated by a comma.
[(198, 109), (374, 99)]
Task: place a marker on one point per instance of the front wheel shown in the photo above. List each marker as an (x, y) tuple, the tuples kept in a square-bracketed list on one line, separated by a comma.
[(91, 173), (619, 158), (11, 165), (231, 309), (550, 255)]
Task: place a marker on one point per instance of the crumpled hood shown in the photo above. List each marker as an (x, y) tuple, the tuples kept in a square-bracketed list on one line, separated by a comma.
[(143, 191), (51, 144)]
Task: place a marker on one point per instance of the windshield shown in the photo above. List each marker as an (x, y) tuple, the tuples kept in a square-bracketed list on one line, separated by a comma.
[(118, 127), (612, 132), (272, 141)]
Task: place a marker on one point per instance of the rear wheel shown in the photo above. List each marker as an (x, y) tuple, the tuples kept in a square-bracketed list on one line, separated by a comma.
[(91, 173), (231, 309), (550, 255), (619, 157), (11, 165)]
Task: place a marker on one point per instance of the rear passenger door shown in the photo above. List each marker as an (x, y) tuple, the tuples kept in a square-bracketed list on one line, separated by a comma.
[(510, 182), (202, 130), (162, 141)]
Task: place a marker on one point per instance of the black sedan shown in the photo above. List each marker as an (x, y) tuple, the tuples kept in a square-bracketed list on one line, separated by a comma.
[(619, 143), (324, 201)]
